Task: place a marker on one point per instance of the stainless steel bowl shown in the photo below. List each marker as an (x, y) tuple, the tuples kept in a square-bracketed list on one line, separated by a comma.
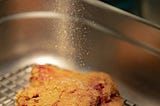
[(83, 35)]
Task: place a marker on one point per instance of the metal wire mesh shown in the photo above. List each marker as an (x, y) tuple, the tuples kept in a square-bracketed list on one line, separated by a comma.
[(12, 82)]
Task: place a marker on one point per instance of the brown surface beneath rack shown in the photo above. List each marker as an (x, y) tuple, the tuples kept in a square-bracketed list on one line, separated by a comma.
[(12, 82)]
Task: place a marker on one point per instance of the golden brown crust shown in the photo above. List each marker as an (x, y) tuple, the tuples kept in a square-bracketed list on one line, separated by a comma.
[(51, 86)]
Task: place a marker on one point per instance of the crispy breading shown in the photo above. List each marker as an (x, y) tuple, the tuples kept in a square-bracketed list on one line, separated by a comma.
[(52, 86)]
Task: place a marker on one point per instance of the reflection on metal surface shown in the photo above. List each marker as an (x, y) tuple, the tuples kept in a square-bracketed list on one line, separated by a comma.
[(94, 41), (43, 60), (67, 32), (33, 14)]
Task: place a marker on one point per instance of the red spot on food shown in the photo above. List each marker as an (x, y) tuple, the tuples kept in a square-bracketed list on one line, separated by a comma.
[(44, 72), (73, 91), (35, 96), (99, 87), (43, 68), (27, 98)]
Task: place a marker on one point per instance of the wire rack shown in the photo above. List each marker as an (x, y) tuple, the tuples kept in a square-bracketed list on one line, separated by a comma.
[(12, 82)]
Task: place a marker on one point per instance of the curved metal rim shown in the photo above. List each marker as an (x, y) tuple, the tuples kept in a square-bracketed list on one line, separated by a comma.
[(134, 17), (52, 15), (100, 4)]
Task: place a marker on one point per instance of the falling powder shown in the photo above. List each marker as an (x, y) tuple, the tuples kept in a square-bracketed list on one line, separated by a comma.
[(71, 34)]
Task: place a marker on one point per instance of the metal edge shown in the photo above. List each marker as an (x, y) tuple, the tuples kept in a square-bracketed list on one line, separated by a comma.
[(122, 12)]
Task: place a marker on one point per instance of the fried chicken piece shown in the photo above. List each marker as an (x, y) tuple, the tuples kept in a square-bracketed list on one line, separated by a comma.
[(52, 86)]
